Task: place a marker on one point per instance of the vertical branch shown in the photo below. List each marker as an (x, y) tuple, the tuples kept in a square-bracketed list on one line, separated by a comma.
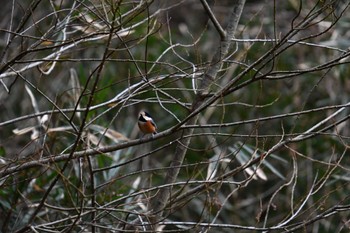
[(160, 200), (98, 71)]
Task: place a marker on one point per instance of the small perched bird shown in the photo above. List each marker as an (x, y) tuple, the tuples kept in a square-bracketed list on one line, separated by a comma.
[(146, 124)]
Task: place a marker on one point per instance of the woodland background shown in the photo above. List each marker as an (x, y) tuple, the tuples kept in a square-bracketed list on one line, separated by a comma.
[(251, 100)]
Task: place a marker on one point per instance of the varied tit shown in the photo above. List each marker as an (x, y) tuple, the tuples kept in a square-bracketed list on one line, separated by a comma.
[(146, 124)]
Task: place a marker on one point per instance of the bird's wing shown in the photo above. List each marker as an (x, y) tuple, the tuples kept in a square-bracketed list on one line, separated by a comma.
[(153, 123)]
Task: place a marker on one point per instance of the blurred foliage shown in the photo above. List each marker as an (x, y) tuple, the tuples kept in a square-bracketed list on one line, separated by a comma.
[(172, 40)]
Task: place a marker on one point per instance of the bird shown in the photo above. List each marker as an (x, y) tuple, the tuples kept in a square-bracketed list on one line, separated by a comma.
[(146, 124)]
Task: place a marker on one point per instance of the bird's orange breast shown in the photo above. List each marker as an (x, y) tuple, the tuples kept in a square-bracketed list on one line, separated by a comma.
[(147, 127)]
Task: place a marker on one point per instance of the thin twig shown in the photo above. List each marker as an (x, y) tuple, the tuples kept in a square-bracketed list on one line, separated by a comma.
[(214, 20)]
